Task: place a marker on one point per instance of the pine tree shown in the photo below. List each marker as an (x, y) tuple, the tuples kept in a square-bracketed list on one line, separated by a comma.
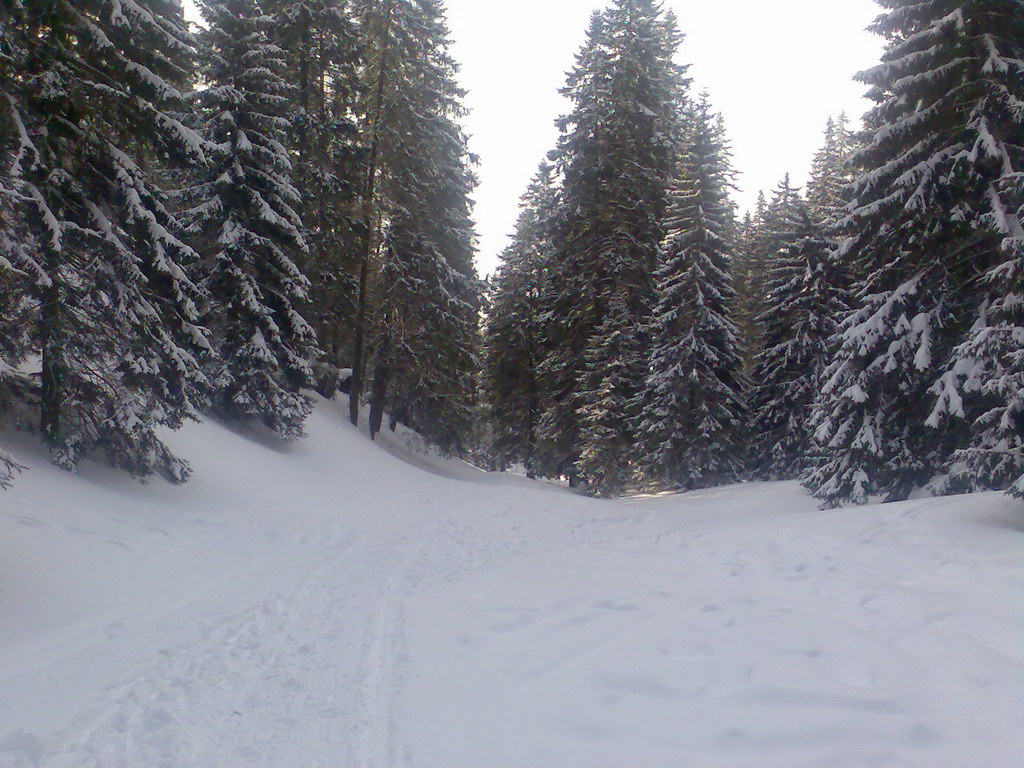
[(749, 266), (984, 378), (426, 338), (769, 232), (323, 54), (244, 214), (514, 328), (16, 386), (692, 407), (777, 232), (939, 174), (15, 258), (831, 175), (90, 94), (8, 465), (606, 393), (16, 312), (806, 296), (617, 156)]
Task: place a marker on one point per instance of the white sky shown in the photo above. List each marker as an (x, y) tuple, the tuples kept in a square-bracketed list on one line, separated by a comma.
[(775, 69)]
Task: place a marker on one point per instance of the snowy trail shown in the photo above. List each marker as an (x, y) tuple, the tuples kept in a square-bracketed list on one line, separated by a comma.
[(770, 645), (334, 606)]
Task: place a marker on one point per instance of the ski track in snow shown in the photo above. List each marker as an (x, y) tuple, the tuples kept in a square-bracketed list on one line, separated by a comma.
[(333, 606)]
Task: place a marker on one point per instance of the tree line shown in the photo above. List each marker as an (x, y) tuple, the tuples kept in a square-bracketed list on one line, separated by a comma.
[(220, 219), (866, 337)]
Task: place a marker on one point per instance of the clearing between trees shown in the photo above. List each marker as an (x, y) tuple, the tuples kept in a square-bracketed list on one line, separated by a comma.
[(329, 604)]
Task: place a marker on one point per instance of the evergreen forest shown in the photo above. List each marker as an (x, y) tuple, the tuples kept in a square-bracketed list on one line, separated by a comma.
[(229, 219)]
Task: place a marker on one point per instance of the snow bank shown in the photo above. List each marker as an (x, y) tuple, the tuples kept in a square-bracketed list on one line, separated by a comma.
[(332, 604)]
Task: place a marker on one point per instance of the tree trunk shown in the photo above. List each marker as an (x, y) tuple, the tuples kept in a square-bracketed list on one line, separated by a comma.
[(359, 338), (378, 397), (52, 347)]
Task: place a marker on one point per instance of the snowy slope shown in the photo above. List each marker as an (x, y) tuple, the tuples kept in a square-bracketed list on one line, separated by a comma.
[(334, 605)]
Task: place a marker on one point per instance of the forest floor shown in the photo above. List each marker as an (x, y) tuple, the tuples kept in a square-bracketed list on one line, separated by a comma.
[(333, 604)]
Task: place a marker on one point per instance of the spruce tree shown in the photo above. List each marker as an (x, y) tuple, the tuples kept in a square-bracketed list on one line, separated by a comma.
[(15, 385), (983, 382), (692, 408), (376, 24), (16, 262), (90, 97), (514, 342), (323, 55), (15, 308), (244, 215), (425, 346), (930, 232), (778, 231), (16, 313), (606, 393), (806, 296), (769, 231), (831, 175), (749, 267), (617, 156)]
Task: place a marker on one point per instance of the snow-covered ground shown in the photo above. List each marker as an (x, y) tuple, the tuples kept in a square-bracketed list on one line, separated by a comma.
[(334, 605)]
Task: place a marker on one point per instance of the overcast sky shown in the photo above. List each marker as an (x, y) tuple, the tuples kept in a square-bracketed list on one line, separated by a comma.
[(776, 70)]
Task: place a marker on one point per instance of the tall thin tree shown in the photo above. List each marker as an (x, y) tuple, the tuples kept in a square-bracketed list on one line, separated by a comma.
[(617, 156), (244, 214), (514, 341), (692, 408)]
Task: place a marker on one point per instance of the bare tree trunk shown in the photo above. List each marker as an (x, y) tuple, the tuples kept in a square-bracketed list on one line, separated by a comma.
[(378, 396), (359, 337), (52, 348)]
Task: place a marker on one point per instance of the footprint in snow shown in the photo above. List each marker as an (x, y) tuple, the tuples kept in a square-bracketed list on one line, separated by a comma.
[(579, 621), (608, 605), (780, 697), (642, 686), (514, 625)]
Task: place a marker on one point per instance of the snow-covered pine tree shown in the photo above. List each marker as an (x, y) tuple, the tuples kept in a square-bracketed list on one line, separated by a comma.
[(984, 378), (831, 175), (777, 230), (617, 156), (692, 413), (17, 267), (426, 339), (769, 232), (513, 341), (929, 230), (606, 392), (243, 213), (322, 49), (89, 95), (806, 296), (749, 265), (13, 385), (17, 395), (15, 257)]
